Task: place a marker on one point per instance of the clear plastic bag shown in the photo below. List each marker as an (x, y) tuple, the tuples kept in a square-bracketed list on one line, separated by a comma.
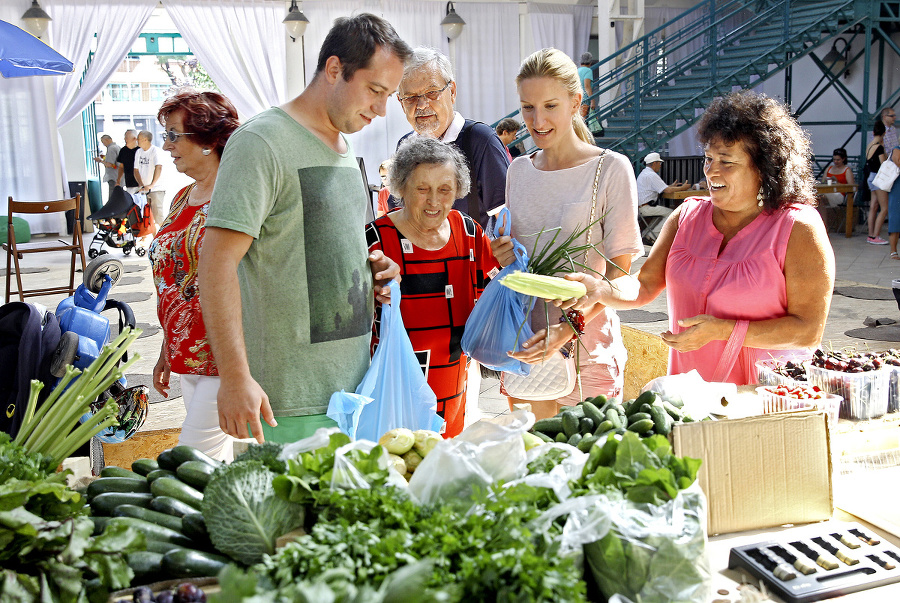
[(498, 324), (485, 452), (699, 397), (393, 392)]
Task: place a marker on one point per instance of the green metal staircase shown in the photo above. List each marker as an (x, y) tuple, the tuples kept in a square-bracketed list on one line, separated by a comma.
[(654, 98)]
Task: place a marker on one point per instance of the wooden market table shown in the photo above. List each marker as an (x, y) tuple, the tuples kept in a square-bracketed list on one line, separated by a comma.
[(847, 189)]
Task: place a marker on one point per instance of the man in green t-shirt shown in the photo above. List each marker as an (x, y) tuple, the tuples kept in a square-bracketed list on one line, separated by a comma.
[(285, 278)]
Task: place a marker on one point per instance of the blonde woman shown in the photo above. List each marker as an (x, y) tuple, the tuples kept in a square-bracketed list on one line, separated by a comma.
[(554, 188)]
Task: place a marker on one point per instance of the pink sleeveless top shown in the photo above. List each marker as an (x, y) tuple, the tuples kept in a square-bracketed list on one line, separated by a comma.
[(745, 282)]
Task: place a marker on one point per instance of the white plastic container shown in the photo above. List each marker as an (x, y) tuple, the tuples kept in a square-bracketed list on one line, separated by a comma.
[(865, 394), (766, 375), (772, 402)]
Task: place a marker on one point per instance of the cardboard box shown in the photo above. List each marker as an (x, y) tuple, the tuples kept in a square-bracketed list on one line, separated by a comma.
[(761, 471)]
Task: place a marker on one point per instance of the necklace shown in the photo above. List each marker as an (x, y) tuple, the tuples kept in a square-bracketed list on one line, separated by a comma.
[(196, 200)]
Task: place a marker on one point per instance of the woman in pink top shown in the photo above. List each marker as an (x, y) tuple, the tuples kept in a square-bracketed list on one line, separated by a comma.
[(749, 270)]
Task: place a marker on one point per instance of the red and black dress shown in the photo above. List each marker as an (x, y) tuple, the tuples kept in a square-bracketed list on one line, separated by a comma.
[(438, 290)]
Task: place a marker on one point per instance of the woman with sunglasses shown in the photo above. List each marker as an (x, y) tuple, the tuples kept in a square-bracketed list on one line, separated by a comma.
[(198, 125)]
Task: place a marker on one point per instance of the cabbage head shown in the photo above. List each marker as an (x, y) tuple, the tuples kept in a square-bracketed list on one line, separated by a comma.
[(243, 514)]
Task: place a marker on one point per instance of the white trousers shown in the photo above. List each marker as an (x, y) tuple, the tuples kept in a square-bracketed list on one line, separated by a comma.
[(201, 425)]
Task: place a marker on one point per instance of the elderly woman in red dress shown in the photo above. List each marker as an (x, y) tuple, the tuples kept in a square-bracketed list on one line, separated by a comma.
[(198, 124), (445, 260)]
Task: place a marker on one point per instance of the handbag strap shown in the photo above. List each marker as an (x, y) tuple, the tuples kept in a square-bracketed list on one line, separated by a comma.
[(594, 197), (730, 353)]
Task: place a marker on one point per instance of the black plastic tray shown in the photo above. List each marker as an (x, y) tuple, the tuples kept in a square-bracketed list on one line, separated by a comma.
[(878, 562)]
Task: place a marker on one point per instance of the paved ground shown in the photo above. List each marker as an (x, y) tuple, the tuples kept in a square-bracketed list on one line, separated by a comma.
[(858, 265)]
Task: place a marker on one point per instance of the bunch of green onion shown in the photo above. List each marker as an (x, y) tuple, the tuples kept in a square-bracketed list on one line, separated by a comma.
[(49, 429)]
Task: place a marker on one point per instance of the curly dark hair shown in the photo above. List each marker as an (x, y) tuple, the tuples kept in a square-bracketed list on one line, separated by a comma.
[(778, 147), (209, 116)]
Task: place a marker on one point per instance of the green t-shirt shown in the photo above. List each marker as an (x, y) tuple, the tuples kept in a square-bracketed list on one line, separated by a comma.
[(305, 282)]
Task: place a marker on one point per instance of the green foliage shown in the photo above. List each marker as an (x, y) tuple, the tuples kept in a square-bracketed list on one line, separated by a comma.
[(267, 452)]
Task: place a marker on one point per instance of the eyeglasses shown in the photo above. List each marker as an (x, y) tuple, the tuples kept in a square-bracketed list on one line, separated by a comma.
[(413, 101), (173, 136)]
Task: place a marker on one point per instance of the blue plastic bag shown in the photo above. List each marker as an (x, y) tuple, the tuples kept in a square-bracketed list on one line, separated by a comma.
[(498, 324), (393, 392)]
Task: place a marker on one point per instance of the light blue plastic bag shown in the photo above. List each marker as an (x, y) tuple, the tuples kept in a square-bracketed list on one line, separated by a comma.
[(498, 324), (393, 392)]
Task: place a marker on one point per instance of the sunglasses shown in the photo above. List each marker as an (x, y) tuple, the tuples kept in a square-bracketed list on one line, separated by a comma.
[(173, 136), (413, 101)]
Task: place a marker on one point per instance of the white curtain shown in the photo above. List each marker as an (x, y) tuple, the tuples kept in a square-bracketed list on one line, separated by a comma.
[(116, 25), (241, 45), (566, 27)]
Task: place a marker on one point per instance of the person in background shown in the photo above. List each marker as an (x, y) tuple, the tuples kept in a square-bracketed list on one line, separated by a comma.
[(586, 77), (878, 203), (749, 270), (650, 186), (888, 117), (507, 131), (286, 281), (386, 201), (198, 124), (125, 160), (554, 189), (840, 173), (427, 94), (445, 261), (147, 172), (894, 206), (110, 161)]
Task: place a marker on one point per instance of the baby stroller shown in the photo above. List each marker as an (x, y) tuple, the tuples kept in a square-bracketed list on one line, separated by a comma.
[(119, 223)]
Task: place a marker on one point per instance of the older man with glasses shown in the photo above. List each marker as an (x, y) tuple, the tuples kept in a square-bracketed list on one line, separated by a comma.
[(427, 94), (888, 117)]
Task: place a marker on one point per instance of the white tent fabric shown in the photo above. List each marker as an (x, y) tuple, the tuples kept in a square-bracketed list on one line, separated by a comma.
[(566, 27), (241, 45)]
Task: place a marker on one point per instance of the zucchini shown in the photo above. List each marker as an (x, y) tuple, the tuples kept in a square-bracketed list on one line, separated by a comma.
[(195, 528), (662, 422), (638, 416), (106, 503), (550, 427), (187, 563), (182, 454), (153, 531), (166, 460), (147, 566), (112, 471), (569, 423), (163, 519), (575, 439), (170, 486), (116, 484), (195, 473), (171, 506), (158, 546), (144, 466), (158, 473), (641, 427), (593, 413), (99, 524), (585, 426)]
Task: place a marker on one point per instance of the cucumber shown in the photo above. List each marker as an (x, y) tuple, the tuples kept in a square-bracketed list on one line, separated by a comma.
[(195, 473), (673, 411), (166, 460), (153, 531), (163, 519), (587, 443), (171, 506), (544, 437), (578, 410), (112, 471), (182, 454), (106, 503), (569, 423), (585, 426), (604, 427), (158, 473), (561, 438), (195, 527), (593, 413), (144, 466), (99, 524), (170, 486), (638, 416), (613, 417), (158, 546), (631, 406), (647, 397), (147, 566), (598, 400), (116, 484), (662, 422), (575, 439), (550, 427), (187, 563), (644, 408), (642, 426)]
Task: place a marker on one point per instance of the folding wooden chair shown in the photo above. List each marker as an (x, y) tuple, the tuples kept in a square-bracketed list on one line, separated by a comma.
[(15, 252)]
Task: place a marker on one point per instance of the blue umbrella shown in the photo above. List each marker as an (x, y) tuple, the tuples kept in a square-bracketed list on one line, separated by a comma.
[(22, 54)]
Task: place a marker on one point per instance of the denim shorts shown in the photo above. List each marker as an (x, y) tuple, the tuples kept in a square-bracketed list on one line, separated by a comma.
[(869, 181)]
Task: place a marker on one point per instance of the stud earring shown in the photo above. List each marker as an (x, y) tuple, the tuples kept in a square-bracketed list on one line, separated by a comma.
[(759, 197), (206, 151)]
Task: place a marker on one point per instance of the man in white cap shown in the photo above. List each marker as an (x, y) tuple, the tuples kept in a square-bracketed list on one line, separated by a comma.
[(649, 186)]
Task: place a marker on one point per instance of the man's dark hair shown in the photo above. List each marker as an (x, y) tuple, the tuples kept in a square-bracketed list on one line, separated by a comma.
[(355, 39), (508, 124)]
